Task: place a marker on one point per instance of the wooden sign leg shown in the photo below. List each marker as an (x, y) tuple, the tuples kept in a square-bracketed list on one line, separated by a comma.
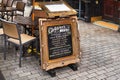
[(40, 62), (52, 72), (73, 67)]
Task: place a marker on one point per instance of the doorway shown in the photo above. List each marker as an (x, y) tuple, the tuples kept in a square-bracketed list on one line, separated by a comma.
[(82, 10), (111, 10)]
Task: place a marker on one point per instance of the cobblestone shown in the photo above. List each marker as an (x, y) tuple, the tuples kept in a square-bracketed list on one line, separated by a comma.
[(72, 77), (112, 78), (24, 74), (82, 78), (82, 74), (63, 75), (33, 76), (100, 59), (101, 72), (101, 77), (91, 75), (92, 79)]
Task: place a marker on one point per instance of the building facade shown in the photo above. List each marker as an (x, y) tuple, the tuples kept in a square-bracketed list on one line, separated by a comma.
[(89, 10)]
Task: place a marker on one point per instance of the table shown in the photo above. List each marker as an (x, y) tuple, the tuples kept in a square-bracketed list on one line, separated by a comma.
[(7, 9), (24, 21)]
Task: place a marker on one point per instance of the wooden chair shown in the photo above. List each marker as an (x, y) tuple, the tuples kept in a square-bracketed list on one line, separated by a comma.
[(4, 2), (29, 28), (9, 3), (9, 14), (20, 8), (12, 35)]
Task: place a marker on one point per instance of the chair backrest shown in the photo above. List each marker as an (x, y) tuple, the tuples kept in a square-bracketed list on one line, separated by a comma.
[(10, 29), (29, 12), (10, 3), (4, 2), (20, 6)]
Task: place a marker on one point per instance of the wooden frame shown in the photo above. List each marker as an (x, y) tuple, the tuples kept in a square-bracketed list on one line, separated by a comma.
[(47, 63), (52, 14)]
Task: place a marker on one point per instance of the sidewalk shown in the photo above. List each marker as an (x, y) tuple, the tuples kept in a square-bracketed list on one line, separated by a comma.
[(100, 59)]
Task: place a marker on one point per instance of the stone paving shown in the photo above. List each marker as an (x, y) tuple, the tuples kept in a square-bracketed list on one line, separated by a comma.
[(100, 60)]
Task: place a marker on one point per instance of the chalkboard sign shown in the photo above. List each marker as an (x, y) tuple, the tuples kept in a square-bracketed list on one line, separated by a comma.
[(59, 41)]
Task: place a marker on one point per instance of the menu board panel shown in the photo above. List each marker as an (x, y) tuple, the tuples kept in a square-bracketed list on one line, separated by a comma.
[(59, 41), (57, 7)]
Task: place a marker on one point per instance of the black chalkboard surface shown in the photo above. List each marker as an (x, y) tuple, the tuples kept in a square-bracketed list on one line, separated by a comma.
[(59, 41)]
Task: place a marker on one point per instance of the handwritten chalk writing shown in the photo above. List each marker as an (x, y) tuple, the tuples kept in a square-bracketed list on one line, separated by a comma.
[(59, 41)]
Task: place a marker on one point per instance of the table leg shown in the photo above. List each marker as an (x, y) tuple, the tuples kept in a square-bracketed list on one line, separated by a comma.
[(7, 16)]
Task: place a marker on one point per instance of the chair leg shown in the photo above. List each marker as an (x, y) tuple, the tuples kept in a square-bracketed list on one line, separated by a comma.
[(20, 55), (37, 50), (14, 51), (5, 47), (37, 45), (12, 16)]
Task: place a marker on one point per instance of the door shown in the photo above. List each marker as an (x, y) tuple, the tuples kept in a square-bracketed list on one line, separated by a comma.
[(96, 8), (110, 10)]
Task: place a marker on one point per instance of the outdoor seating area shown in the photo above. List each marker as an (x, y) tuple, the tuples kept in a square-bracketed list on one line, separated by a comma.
[(38, 42), (13, 35), (99, 59), (14, 28)]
